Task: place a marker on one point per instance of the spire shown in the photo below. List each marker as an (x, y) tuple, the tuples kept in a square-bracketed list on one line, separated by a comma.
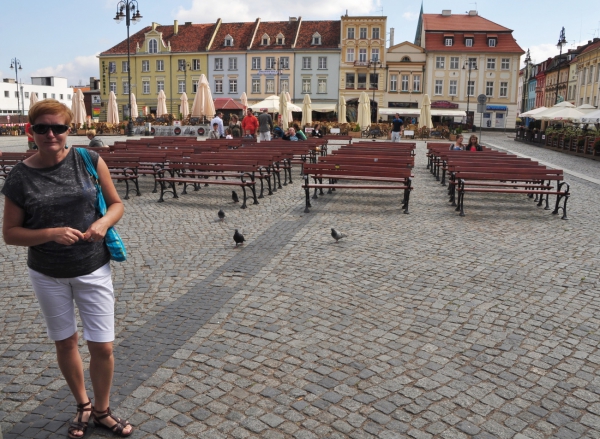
[(419, 27)]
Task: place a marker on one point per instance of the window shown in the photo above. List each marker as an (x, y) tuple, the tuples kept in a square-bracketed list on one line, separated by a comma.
[(305, 85), (233, 86), (160, 85), (591, 77), (255, 63), (505, 64), (362, 80), (404, 83), (393, 82), (27, 95), (256, 86), (473, 63), (405, 59), (228, 41), (417, 83), (469, 42), (124, 67), (280, 39), (17, 95), (350, 54), (146, 87), (504, 89), (125, 88), (270, 86), (112, 87), (195, 64), (440, 62), (439, 86), (306, 62), (447, 41), (322, 62), (491, 63), (363, 33), (152, 46), (284, 63), (145, 66), (454, 60), (218, 63), (489, 88), (453, 86), (232, 63), (375, 33), (195, 85), (362, 55), (350, 80), (375, 54), (316, 39), (218, 86), (265, 40), (112, 67), (374, 81), (6, 94), (471, 88), (160, 65), (284, 85), (322, 85), (350, 33), (181, 86), (270, 63), (181, 65), (491, 42)]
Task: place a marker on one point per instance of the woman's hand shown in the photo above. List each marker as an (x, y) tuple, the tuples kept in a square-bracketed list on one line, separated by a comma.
[(67, 235), (96, 231)]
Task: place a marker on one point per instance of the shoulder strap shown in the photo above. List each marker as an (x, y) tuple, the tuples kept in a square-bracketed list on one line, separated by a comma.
[(87, 159)]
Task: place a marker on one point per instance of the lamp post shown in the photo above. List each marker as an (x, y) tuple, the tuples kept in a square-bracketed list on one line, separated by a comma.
[(16, 64), (108, 70), (561, 43), (129, 10), (374, 63), (471, 65), (184, 67)]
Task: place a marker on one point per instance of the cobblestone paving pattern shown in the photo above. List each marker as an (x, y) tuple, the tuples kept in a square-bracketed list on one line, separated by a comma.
[(419, 326)]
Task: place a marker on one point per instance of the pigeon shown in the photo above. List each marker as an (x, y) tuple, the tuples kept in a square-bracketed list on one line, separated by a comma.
[(234, 197), (238, 238), (221, 214), (336, 235)]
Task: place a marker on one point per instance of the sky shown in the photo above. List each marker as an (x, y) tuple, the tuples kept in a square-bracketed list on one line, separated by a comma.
[(64, 37)]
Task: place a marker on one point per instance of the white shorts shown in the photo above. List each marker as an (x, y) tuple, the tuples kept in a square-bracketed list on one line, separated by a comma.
[(395, 136), (93, 294), (266, 136)]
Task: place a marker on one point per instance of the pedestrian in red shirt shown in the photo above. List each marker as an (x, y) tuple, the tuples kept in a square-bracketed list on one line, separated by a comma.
[(250, 124)]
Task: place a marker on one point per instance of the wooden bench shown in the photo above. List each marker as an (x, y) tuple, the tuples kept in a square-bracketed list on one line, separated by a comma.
[(384, 178), (124, 169)]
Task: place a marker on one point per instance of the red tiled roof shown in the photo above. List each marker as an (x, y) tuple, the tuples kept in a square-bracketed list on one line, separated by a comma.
[(329, 31), (460, 22), (272, 29), (227, 104), (240, 32), (506, 44), (590, 47), (190, 38)]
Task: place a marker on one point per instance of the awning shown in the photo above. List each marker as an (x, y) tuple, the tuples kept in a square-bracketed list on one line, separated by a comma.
[(496, 108), (227, 104), (447, 112), (324, 108), (401, 111)]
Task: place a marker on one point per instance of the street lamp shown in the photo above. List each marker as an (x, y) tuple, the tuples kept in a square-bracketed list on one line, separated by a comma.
[(471, 65), (108, 70), (129, 10), (16, 64), (525, 80), (374, 63), (184, 67), (561, 43)]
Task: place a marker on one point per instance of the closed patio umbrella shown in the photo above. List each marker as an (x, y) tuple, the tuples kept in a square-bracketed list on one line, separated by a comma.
[(184, 108), (112, 114), (196, 106), (244, 101), (289, 108), (306, 111), (283, 112), (207, 104), (364, 111), (342, 111), (161, 108), (134, 108), (33, 98), (425, 116)]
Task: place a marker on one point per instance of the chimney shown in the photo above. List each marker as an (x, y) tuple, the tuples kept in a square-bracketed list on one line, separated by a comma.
[(293, 19), (391, 36), (154, 25), (446, 12), (175, 27), (472, 13)]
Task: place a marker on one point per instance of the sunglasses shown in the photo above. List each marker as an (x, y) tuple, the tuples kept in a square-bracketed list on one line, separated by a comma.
[(42, 128)]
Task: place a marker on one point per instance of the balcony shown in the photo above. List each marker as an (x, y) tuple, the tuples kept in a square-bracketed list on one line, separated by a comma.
[(361, 63), (350, 85)]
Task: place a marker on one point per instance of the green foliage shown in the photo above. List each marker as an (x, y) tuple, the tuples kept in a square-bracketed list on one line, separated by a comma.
[(356, 129)]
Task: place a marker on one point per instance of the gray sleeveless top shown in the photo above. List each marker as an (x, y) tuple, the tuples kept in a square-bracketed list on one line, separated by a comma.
[(62, 195)]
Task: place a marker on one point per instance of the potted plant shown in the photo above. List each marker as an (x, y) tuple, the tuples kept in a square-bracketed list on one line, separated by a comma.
[(122, 128), (355, 132)]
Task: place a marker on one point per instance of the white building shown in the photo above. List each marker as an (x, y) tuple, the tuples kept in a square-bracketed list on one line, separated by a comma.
[(13, 97)]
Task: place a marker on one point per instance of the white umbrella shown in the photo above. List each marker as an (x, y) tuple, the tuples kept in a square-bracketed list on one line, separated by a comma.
[(306, 111), (534, 112), (196, 106), (161, 109), (184, 109), (271, 103), (342, 112), (112, 114), (364, 111), (593, 117), (289, 101), (283, 111), (207, 105), (244, 101), (586, 108), (134, 108), (425, 116), (568, 114), (33, 98), (80, 115)]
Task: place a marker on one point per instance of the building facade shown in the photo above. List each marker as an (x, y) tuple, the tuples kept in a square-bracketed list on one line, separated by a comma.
[(405, 78), (588, 74), (14, 98)]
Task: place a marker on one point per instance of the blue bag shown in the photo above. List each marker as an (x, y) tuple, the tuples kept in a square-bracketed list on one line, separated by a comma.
[(113, 241)]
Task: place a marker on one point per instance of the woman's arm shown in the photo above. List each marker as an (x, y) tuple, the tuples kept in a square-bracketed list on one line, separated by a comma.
[(15, 234), (114, 205)]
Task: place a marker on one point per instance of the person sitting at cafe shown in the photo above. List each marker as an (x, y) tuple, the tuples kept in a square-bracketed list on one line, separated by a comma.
[(290, 135)]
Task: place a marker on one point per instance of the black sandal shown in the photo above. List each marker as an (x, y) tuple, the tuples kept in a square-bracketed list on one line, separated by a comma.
[(117, 428), (79, 425)]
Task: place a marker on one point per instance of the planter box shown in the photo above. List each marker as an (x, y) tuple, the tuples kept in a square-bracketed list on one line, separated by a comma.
[(355, 134), (80, 132), (122, 131), (452, 137)]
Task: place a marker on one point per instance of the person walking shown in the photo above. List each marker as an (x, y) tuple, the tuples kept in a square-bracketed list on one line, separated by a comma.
[(396, 128), (265, 125), (249, 124), (50, 207), (218, 119)]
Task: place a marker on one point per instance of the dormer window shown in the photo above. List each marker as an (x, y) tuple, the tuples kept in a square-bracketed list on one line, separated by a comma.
[(448, 42), (316, 39), (228, 41), (152, 46), (469, 42), (265, 40), (280, 39), (491, 42), (405, 59)]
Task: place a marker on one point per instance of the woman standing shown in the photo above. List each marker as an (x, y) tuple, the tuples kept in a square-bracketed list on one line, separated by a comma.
[(474, 144), (50, 207)]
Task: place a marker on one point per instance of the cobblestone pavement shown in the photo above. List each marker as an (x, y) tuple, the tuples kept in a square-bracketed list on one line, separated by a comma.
[(414, 326)]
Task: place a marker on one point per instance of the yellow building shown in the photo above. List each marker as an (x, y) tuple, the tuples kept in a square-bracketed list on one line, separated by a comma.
[(588, 75), (362, 63)]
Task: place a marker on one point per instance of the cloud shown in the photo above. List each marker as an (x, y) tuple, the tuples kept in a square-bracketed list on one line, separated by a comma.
[(206, 12), (80, 69), (542, 52), (410, 16)]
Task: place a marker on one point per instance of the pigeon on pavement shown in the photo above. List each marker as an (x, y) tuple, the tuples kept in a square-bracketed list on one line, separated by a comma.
[(234, 197), (238, 238), (336, 235), (221, 214)]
